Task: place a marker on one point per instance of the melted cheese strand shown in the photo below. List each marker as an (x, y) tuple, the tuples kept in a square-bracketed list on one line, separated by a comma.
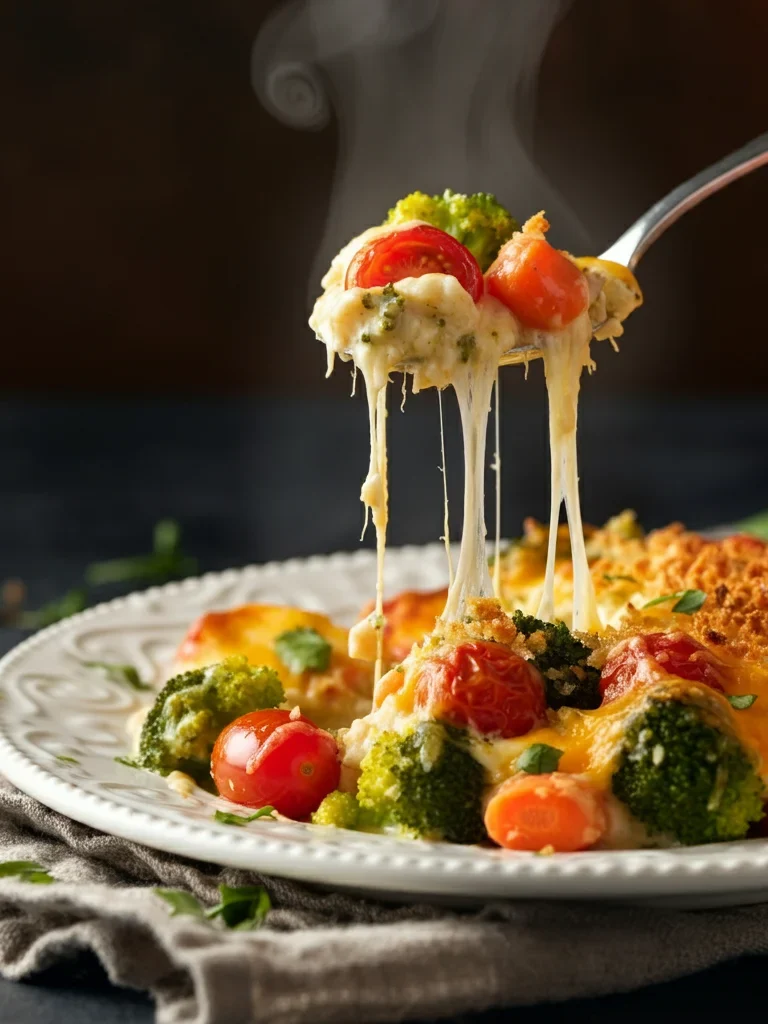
[(564, 355), (497, 471), (375, 497), (473, 391), (446, 522)]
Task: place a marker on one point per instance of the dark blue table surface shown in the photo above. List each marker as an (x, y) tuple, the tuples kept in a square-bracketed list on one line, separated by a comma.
[(252, 481)]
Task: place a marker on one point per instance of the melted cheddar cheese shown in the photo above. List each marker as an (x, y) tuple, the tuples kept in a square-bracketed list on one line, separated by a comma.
[(330, 699)]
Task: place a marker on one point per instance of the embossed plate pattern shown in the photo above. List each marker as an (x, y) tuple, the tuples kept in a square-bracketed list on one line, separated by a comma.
[(53, 706)]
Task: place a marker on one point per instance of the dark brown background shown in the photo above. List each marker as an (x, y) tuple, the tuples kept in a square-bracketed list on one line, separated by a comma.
[(159, 225)]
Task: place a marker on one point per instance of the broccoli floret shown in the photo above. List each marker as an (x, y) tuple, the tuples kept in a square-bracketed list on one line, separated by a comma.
[(684, 774), (192, 708), (562, 660), (478, 221), (426, 783), (339, 809)]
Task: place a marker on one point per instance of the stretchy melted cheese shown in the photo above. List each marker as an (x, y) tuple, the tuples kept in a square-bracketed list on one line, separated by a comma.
[(430, 328)]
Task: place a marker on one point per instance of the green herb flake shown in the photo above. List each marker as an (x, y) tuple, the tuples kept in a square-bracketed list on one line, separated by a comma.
[(166, 561), (119, 673), (617, 577), (365, 338), (225, 818), (367, 301), (71, 603), (539, 758), (686, 601), (756, 525), (181, 902), (25, 871), (742, 701), (67, 760), (242, 909), (127, 761), (303, 650), (466, 344)]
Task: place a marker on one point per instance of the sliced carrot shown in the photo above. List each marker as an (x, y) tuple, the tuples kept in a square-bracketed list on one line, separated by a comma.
[(540, 285), (558, 812)]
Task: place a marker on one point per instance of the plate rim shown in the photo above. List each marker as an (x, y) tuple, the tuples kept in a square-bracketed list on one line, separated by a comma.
[(414, 867)]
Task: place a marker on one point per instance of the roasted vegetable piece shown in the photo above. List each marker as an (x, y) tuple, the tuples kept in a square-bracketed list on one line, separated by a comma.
[(562, 660), (338, 809), (276, 758), (478, 221), (537, 283), (192, 708), (556, 812), (684, 774), (426, 783), (675, 653), (483, 685)]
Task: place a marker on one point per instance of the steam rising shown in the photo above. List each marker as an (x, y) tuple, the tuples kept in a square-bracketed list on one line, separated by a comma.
[(428, 94)]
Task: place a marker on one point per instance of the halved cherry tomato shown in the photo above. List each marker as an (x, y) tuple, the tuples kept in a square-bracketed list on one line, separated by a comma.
[(268, 757), (413, 252), (631, 663), (533, 812), (483, 685), (537, 283)]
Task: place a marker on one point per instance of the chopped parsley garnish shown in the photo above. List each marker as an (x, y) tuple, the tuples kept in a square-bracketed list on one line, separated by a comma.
[(686, 601), (25, 871), (226, 818), (67, 760), (119, 673), (466, 345), (612, 578), (539, 759), (241, 908), (303, 650), (742, 701)]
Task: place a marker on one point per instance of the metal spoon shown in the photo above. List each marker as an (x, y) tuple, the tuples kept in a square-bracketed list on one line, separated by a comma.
[(637, 239)]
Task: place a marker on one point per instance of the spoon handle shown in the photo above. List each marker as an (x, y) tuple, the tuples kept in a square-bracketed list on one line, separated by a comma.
[(636, 240)]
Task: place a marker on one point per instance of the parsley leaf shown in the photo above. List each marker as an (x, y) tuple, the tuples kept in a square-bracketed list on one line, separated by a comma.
[(742, 701), (244, 908), (611, 578), (71, 603), (303, 649), (128, 761), (180, 902), (539, 758), (25, 871), (225, 818), (118, 673), (166, 561), (66, 759), (686, 601), (756, 525)]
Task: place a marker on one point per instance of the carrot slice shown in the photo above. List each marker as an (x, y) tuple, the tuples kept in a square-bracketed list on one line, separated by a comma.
[(540, 285), (558, 812)]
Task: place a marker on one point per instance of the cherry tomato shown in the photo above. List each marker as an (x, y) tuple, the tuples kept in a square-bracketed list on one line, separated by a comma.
[(483, 685), (632, 662), (268, 757), (537, 283), (413, 252)]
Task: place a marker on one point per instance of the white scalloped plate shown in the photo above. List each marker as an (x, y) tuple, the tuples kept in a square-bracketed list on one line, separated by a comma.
[(52, 706)]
